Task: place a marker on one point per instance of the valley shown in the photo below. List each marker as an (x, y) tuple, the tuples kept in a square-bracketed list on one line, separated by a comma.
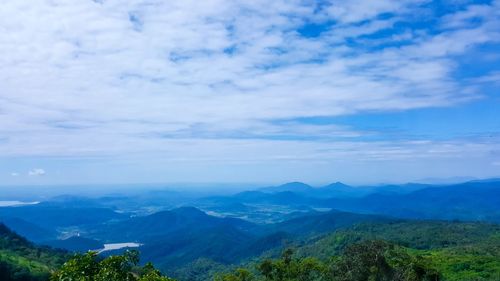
[(208, 234)]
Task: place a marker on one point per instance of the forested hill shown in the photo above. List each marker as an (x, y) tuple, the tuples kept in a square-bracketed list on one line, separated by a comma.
[(22, 260), (369, 250), (404, 250), (455, 250)]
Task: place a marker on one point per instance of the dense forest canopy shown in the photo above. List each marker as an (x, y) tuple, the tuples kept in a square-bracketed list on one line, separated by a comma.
[(21, 260), (89, 267), (405, 250)]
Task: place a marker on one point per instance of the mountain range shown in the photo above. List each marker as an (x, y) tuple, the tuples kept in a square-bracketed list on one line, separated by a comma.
[(190, 233), (474, 200)]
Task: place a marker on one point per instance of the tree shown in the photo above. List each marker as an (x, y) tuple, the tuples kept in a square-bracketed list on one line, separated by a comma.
[(150, 273), (79, 268), (366, 261), (378, 260), (90, 267), (287, 268), (239, 274)]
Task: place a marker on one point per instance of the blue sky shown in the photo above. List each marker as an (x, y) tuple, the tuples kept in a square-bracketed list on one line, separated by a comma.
[(248, 91)]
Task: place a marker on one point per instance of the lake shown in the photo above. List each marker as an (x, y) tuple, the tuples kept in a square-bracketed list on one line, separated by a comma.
[(16, 203), (117, 246)]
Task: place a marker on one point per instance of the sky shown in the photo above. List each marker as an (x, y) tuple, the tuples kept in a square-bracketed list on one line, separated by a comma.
[(154, 91)]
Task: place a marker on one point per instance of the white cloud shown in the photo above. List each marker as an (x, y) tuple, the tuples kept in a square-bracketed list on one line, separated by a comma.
[(79, 78), (36, 172), (492, 77), (356, 11), (14, 174)]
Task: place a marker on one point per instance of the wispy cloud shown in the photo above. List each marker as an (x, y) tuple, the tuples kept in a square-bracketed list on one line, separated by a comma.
[(105, 77), (36, 172)]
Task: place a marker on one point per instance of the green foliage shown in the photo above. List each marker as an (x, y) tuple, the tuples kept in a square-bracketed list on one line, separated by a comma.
[(89, 267), (20, 260), (397, 250), (422, 235), (239, 274), (150, 273), (367, 261), (200, 270), (380, 260), (457, 265), (458, 250), (413, 249)]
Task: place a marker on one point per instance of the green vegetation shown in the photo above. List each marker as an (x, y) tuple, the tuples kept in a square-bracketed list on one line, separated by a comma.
[(388, 250), (20, 260), (200, 270), (369, 260), (458, 250), (88, 267)]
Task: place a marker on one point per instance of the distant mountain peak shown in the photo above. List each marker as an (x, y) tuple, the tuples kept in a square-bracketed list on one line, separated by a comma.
[(338, 184), (338, 187), (290, 186), (188, 210), (296, 184)]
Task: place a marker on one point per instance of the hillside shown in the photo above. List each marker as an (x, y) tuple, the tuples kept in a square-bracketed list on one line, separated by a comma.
[(55, 215), (22, 260), (180, 221), (475, 200), (192, 243), (459, 251), (317, 223), (466, 201), (181, 236), (75, 244), (353, 244), (29, 230), (364, 261)]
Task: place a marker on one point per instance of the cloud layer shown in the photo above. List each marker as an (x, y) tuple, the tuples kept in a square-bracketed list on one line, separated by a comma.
[(230, 81)]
